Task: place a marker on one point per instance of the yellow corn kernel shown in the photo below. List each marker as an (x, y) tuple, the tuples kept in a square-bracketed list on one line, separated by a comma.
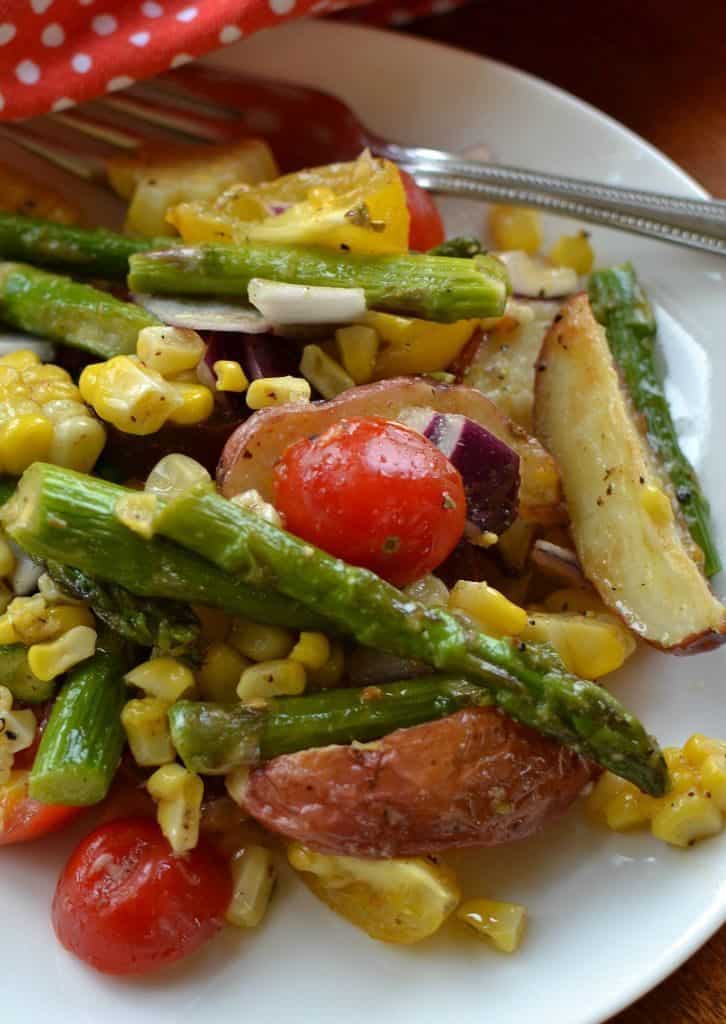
[(312, 650), (329, 674), (429, 590), (47, 391), (699, 747), (261, 643), (358, 347), (220, 672), (178, 794), (325, 374), (685, 818), (24, 440), (271, 679), (49, 660), (572, 599), (573, 251), (36, 622), (515, 227), (196, 404), (7, 559), (713, 778), (401, 900), (683, 776), (165, 678), (502, 923), (77, 443), (590, 647), (136, 511), (174, 474), (230, 376), (65, 409), (20, 359), (128, 394), (629, 810), (253, 878), (215, 624), (8, 634), (147, 729), (495, 613), (277, 391), (52, 593), (657, 504), (169, 350), (235, 783), (6, 699), (608, 788), (252, 501)]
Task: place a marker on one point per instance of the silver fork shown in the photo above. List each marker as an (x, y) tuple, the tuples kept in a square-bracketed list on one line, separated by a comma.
[(180, 106)]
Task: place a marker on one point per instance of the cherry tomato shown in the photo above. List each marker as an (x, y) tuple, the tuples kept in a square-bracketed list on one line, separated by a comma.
[(125, 904), (374, 493), (23, 819), (427, 227)]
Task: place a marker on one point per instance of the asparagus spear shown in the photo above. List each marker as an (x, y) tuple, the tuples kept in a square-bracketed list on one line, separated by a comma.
[(16, 674), (170, 627), (44, 243), (432, 287), (82, 742), (75, 314), (214, 738), (619, 303), (462, 246), (55, 515)]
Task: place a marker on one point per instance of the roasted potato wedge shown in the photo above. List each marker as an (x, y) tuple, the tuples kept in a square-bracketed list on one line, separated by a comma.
[(623, 522), (249, 457), (21, 193), (476, 778)]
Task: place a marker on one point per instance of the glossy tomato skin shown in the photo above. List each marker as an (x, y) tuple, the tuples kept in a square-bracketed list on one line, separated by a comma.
[(374, 493), (125, 904), (427, 227), (23, 819)]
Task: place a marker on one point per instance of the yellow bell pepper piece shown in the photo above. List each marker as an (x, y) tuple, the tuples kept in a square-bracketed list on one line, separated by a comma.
[(416, 346)]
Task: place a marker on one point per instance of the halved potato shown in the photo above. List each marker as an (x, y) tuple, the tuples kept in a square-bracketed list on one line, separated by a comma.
[(623, 523), (249, 457)]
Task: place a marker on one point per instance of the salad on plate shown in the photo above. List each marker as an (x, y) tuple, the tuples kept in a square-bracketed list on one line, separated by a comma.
[(321, 535)]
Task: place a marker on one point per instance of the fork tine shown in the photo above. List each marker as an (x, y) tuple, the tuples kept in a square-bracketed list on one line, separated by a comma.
[(80, 121), (85, 166), (161, 89), (195, 126)]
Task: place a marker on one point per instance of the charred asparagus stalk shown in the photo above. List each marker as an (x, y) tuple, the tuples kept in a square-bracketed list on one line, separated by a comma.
[(621, 306)]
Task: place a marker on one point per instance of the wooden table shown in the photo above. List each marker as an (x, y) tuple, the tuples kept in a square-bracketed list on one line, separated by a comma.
[(658, 67)]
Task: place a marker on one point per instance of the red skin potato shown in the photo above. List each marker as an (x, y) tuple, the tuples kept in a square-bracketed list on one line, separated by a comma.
[(475, 778)]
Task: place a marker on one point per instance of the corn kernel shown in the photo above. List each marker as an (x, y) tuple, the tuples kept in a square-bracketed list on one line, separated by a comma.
[(36, 622), (64, 409), (24, 440), (174, 474), (165, 678), (7, 559), (267, 391), (137, 512), (495, 613), (128, 394), (147, 729), (220, 672), (589, 647), (20, 359), (261, 643), (326, 375), (252, 501), (8, 634), (502, 923), (215, 624), (230, 376), (6, 699), (52, 593), (77, 443), (570, 599), (681, 772), (48, 660), (607, 788), (515, 228), (628, 810), (401, 900), (699, 747), (657, 504), (236, 782), (271, 678), (253, 878), (713, 778), (429, 591), (573, 251), (312, 650), (329, 674), (169, 350), (178, 794), (358, 347), (196, 404), (686, 818)]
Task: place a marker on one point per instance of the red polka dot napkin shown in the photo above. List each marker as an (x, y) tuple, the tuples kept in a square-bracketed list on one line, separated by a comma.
[(54, 53)]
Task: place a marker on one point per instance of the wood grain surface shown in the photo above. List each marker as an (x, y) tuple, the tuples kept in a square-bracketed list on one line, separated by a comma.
[(659, 66)]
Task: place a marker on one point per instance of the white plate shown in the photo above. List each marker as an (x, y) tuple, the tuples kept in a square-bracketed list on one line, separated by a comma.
[(611, 915)]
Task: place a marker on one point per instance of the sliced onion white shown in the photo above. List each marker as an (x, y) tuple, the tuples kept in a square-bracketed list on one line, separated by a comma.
[(203, 314), (535, 279), (25, 578), (283, 303)]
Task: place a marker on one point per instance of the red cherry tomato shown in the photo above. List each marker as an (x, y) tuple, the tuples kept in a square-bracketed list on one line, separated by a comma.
[(23, 819), (374, 493), (427, 227), (125, 904)]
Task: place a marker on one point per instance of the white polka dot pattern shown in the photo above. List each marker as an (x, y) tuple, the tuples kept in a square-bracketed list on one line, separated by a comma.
[(150, 9), (104, 24), (27, 72), (140, 38), (7, 32), (230, 34), (119, 82), (81, 63)]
